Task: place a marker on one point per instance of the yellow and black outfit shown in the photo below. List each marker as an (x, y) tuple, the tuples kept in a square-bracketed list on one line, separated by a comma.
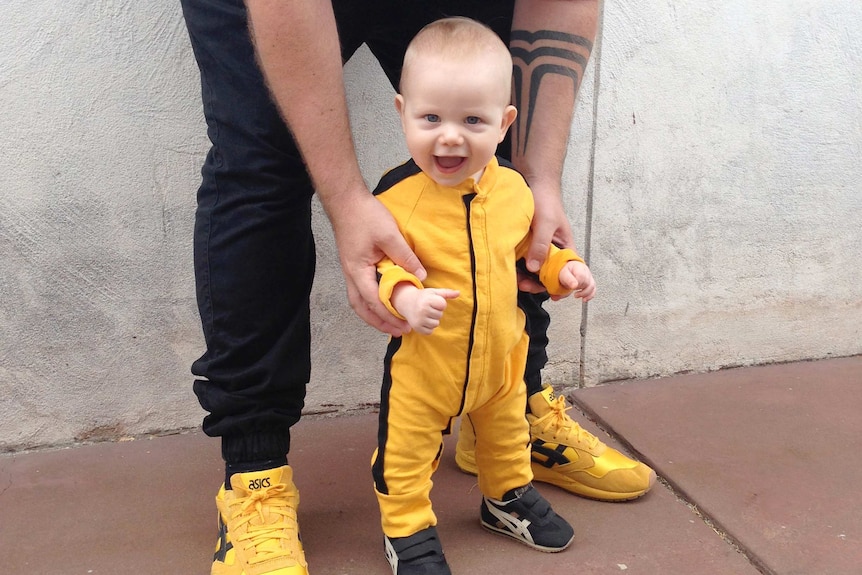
[(468, 238)]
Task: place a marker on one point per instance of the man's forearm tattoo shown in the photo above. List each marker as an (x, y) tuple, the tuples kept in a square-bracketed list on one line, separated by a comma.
[(535, 55)]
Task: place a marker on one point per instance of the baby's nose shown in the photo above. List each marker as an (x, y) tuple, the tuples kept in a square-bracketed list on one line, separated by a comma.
[(451, 136)]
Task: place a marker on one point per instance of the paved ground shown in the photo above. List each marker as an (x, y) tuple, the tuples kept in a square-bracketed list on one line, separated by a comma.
[(760, 471)]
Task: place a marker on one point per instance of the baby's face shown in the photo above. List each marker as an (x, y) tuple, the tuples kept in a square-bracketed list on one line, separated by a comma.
[(453, 115)]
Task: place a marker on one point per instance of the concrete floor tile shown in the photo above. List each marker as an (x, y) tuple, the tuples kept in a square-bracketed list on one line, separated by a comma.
[(340, 521), (147, 506), (770, 454), (110, 508)]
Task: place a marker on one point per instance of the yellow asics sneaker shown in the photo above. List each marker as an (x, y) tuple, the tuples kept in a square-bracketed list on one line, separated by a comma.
[(568, 456), (258, 532)]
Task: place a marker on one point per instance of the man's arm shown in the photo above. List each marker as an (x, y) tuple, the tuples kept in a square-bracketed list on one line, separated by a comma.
[(298, 50), (551, 43)]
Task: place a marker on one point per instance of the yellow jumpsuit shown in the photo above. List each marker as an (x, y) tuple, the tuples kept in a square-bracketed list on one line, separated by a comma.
[(468, 238)]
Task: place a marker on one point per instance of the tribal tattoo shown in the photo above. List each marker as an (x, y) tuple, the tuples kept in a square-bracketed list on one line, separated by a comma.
[(535, 55)]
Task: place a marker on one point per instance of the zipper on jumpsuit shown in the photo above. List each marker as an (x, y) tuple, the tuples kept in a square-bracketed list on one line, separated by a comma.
[(468, 198)]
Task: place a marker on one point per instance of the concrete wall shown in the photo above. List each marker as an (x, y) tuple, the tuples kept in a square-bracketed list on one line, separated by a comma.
[(713, 178)]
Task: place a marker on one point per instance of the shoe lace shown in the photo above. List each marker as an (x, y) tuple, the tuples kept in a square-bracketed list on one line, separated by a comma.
[(269, 515), (563, 426)]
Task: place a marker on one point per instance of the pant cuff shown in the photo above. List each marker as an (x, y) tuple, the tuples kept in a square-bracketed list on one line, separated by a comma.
[(255, 446)]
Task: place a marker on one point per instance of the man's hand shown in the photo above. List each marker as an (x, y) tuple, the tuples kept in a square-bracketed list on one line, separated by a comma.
[(423, 308), (550, 224), (364, 232)]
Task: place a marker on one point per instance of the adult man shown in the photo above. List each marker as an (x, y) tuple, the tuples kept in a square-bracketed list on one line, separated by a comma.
[(254, 252)]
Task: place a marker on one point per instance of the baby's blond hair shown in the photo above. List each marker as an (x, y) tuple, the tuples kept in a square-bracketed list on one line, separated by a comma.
[(458, 38)]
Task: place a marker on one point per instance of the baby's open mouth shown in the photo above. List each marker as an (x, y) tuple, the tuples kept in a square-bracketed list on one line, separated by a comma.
[(449, 164)]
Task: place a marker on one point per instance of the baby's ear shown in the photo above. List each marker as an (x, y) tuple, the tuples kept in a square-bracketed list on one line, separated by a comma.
[(509, 115), (399, 103)]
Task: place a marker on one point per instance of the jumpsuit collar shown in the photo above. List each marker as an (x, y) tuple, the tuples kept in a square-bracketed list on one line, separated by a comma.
[(485, 183)]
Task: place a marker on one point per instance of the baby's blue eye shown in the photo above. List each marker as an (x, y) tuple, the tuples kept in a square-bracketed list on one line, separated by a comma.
[(432, 118), (473, 119)]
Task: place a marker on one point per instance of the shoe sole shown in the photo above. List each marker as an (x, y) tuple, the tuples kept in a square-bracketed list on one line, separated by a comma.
[(543, 475), (511, 535), (540, 473)]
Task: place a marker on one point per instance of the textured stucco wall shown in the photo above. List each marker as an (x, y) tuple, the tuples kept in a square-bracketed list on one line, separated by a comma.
[(728, 195), (713, 175), (102, 142)]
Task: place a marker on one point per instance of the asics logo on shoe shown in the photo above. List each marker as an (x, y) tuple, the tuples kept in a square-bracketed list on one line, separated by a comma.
[(551, 454), (256, 484), (391, 555), (223, 545), (518, 527)]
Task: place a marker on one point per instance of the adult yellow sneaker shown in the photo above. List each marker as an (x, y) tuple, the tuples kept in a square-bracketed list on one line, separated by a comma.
[(258, 532), (566, 455)]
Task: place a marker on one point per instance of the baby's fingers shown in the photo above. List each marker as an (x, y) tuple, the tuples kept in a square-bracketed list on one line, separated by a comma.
[(447, 293)]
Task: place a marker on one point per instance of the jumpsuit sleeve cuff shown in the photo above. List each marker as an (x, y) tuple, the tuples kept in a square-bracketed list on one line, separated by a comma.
[(549, 274), (391, 278)]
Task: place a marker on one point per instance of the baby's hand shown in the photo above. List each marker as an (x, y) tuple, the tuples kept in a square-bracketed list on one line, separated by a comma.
[(577, 276), (422, 308)]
